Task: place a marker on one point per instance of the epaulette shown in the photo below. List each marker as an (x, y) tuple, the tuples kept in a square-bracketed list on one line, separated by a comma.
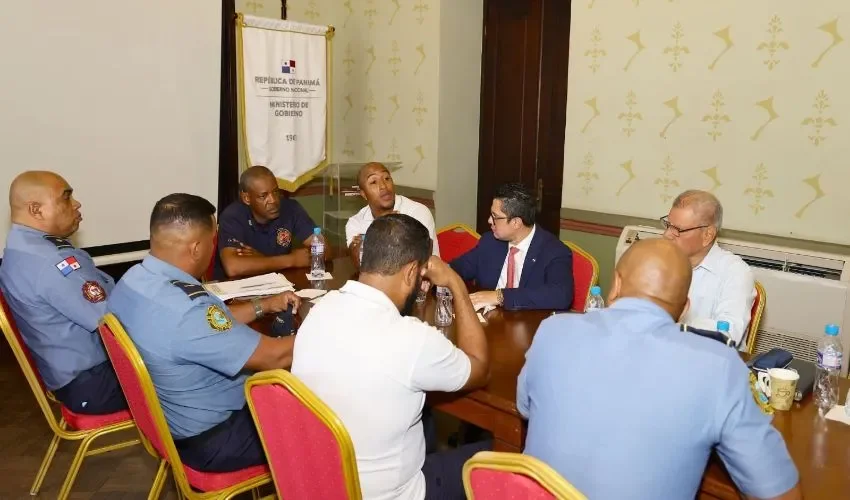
[(61, 243), (191, 289)]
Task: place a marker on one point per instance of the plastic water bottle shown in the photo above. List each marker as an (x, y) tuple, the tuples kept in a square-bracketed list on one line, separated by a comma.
[(317, 254), (830, 353), (595, 301), (362, 244)]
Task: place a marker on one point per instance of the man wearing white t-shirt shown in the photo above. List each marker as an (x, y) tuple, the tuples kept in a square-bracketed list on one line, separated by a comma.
[(372, 364), (377, 188)]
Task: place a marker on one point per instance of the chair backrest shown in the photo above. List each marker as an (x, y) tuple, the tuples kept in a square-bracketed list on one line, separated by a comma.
[(755, 316), (585, 275), (25, 361), (456, 240), (309, 451), (493, 475), (141, 396)]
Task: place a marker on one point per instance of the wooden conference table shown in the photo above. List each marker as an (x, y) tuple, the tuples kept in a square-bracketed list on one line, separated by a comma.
[(820, 448)]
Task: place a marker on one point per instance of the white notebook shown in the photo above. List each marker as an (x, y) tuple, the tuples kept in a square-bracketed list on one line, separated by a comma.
[(266, 284)]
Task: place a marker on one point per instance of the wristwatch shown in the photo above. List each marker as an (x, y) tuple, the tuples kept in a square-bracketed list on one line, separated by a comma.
[(500, 297), (258, 308)]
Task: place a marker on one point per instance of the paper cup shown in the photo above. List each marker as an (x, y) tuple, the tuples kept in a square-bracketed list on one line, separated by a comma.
[(783, 386)]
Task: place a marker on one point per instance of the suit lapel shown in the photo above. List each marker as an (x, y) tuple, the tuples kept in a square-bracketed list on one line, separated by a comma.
[(530, 258), (498, 262)]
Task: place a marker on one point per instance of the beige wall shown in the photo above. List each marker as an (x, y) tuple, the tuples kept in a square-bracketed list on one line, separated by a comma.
[(385, 81), (461, 25), (747, 99), (406, 87)]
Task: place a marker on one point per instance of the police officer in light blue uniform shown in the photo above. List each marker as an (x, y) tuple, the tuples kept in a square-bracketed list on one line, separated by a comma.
[(57, 295), (197, 349)]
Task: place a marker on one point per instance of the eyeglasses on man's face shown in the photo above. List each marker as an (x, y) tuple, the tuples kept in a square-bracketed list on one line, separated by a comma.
[(675, 230), (495, 217)]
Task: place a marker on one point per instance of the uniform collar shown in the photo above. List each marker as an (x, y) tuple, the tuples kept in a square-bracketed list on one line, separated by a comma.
[(20, 233), (641, 305), (158, 266)]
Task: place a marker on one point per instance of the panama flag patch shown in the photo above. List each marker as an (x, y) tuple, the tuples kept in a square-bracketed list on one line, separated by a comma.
[(68, 266)]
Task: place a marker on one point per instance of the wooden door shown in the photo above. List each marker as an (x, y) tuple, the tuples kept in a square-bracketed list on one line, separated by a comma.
[(524, 102)]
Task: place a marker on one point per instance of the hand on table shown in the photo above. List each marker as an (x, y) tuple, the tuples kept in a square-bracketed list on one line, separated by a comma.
[(487, 298), (281, 301), (244, 250)]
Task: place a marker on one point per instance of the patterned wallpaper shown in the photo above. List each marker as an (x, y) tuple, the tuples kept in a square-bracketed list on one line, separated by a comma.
[(385, 79), (749, 100)]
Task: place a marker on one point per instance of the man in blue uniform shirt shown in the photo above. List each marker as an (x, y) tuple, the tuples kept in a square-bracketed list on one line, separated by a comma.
[(198, 350), (518, 265), (258, 232), (624, 405), (57, 295)]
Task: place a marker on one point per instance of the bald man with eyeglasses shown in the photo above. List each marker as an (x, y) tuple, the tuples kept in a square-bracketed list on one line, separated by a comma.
[(723, 286)]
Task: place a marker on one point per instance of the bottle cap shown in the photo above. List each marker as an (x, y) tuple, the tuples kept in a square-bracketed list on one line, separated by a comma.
[(596, 290), (317, 230), (831, 330), (723, 326)]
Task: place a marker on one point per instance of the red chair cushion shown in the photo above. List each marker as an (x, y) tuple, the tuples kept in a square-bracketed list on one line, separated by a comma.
[(582, 280), (82, 422), (455, 243), (488, 484), (303, 452), (213, 481)]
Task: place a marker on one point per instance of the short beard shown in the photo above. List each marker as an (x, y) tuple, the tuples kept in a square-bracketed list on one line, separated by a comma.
[(410, 303)]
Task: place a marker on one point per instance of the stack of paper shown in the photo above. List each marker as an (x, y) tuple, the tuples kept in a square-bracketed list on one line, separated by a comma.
[(266, 284)]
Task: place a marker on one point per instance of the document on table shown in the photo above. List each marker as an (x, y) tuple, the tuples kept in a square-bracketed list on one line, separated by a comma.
[(266, 284)]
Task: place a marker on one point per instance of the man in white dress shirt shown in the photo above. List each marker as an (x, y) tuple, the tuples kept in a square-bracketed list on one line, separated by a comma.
[(722, 287), (372, 364), (377, 188)]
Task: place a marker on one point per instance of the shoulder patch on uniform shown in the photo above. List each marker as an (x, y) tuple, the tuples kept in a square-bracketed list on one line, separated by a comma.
[(218, 319), (68, 266), (193, 290), (61, 243), (94, 292)]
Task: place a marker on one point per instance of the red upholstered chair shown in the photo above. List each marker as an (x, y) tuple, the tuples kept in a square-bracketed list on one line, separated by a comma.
[(156, 437), (585, 275), (456, 240), (67, 425), (493, 475), (309, 451)]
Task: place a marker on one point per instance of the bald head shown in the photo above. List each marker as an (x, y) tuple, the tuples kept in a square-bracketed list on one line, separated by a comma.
[(369, 169), (44, 200), (377, 188), (654, 270)]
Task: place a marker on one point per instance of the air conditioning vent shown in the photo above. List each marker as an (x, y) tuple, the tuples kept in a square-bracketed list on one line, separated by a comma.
[(774, 265), (792, 267)]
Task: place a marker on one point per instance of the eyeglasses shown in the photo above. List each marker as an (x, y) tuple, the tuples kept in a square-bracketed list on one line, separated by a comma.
[(495, 217), (677, 231)]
